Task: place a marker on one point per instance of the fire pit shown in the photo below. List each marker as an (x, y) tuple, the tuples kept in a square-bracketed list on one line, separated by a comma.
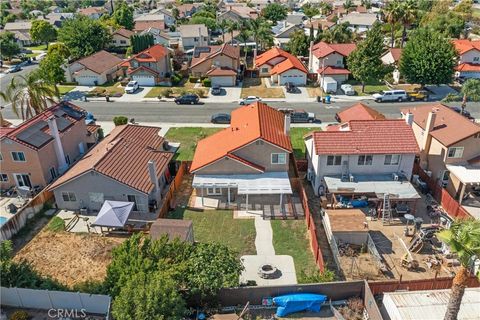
[(268, 271)]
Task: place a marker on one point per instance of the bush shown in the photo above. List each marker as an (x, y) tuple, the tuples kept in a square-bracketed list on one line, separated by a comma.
[(20, 315), (100, 133), (193, 79), (182, 92), (176, 79), (207, 82), (57, 224), (452, 97), (120, 120), (165, 93), (200, 93)]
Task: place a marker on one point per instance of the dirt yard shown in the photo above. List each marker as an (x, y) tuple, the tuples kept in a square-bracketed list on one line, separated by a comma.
[(256, 87), (69, 258)]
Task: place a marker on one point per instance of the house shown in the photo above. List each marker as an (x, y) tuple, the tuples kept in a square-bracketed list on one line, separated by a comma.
[(238, 14), (282, 32), (319, 25), (94, 70), (469, 58), (149, 67), (21, 30), (92, 12), (193, 35), (297, 18), (159, 36), (281, 67), (361, 158), (57, 18), (328, 59), (42, 148), (358, 111), (168, 17), (188, 9), (121, 37), (146, 21), (449, 147), (392, 57), (219, 63), (360, 22), (130, 164), (173, 228), (249, 158)]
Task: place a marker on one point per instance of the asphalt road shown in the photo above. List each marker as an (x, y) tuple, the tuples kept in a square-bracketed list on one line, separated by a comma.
[(5, 79)]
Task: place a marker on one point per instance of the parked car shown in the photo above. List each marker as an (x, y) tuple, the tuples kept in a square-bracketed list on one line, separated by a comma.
[(418, 94), (131, 87), (187, 99), (249, 99), (302, 116), (464, 113), (290, 87), (391, 95), (216, 90), (221, 118), (14, 69), (347, 89)]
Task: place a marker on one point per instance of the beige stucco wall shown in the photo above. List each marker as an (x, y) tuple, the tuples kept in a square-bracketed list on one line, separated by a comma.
[(221, 60), (116, 41), (261, 155), (469, 57), (226, 166)]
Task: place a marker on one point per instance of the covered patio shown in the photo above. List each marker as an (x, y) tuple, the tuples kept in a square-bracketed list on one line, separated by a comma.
[(468, 190)]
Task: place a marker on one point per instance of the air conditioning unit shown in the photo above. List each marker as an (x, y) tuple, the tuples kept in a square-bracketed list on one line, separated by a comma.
[(351, 178), (310, 175), (395, 176)]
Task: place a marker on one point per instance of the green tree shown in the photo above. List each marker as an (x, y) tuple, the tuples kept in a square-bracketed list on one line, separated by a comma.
[(340, 33), (470, 91), (393, 13), (210, 23), (9, 45), (120, 120), (274, 12), (409, 15), (428, 58), (222, 26), (123, 15), (50, 68), (43, 32), (140, 42), (444, 20), (243, 36), (325, 8), (232, 26), (310, 11), (299, 43), (348, 5), (149, 296), (60, 48), (365, 61), (84, 36), (463, 238)]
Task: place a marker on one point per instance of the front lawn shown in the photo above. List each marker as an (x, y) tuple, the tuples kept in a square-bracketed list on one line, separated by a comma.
[(256, 87), (112, 90), (219, 226), (290, 238), (42, 47), (370, 89), (188, 137), (175, 92), (298, 144)]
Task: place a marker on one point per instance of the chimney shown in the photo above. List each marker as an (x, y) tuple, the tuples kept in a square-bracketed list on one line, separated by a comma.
[(57, 145), (152, 170), (310, 56), (409, 118), (286, 123), (428, 128)]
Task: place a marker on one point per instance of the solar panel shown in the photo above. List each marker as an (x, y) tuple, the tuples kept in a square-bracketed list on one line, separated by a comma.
[(34, 136), (72, 112), (63, 123)]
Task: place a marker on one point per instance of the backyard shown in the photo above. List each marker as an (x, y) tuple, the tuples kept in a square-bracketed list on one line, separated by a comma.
[(298, 144), (256, 87), (188, 137), (219, 226)]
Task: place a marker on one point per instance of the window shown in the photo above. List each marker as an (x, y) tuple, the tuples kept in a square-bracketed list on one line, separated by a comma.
[(67, 159), (132, 198), (455, 152), (123, 41), (23, 180), (195, 39), (476, 59), (214, 191), (279, 158), (18, 156), (392, 159), (264, 70), (334, 160), (205, 39), (69, 197), (3, 177), (365, 160), (53, 173)]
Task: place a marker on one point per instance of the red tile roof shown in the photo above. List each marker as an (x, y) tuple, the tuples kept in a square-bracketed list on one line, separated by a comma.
[(153, 54), (468, 67), (323, 49), (367, 137), (100, 62), (290, 61), (249, 123), (224, 49), (449, 128), (144, 25), (124, 33), (396, 53), (223, 71), (466, 45), (359, 111), (123, 155), (333, 70)]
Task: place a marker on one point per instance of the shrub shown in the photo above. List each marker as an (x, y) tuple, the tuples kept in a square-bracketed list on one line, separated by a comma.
[(193, 79), (182, 92), (176, 79), (120, 120), (20, 315), (57, 224), (207, 82), (200, 93), (100, 133), (165, 93), (452, 97)]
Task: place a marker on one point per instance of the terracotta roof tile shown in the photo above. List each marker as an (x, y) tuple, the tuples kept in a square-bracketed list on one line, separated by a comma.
[(367, 137), (323, 49), (100, 62), (468, 67), (290, 62), (223, 71), (466, 45), (144, 25), (224, 49), (332, 70), (359, 111), (396, 53), (249, 123), (450, 126)]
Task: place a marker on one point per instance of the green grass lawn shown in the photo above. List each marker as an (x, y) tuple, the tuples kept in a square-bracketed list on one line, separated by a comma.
[(219, 226), (296, 135), (39, 47), (32, 55), (370, 89), (188, 137), (176, 91), (476, 13), (290, 238), (112, 89), (65, 89)]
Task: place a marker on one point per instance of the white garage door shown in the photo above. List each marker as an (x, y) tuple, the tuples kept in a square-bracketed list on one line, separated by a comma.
[(223, 81), (295, 79), (145, 80), (87, 80)]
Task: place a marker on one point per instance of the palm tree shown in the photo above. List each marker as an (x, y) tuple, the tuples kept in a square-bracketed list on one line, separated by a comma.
[(29, 95), (231, 27), (409, 15), (340, 33), (393, 13), (348, 5), (470, 90), (463, 238), (243, 36), (310, 11), (325, 8), (222, 26)]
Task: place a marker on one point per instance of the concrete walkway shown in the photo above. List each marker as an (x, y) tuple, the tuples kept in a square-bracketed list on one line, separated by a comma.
[(264, 237)]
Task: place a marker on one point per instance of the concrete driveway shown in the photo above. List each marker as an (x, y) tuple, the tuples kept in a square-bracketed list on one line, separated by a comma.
[(229, 94), (441, 91), (137, 96), (300, 95)]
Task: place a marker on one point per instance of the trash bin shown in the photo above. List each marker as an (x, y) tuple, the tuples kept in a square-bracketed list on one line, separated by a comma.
[(107, 98), (319, 99), (327, 99)]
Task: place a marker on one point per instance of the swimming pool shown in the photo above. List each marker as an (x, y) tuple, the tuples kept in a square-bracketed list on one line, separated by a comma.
[(3, 220)]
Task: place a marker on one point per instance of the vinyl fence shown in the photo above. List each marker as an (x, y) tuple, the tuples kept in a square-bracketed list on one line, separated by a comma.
[(58, 300)]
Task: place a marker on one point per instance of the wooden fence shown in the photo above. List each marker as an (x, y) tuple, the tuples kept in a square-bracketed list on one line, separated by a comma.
[(170, 195)]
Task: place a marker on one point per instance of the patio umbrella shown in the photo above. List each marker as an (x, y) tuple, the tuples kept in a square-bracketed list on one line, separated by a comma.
[(114, 214)]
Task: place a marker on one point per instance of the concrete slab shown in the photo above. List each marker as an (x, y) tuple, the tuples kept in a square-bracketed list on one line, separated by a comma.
[(208, 203), (250, 214), (301, 95), (229, 94), (284, 264), (82, 225), (264, 237)]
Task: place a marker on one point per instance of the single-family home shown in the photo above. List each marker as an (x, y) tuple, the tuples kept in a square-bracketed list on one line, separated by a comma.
[(360, 158), (92, 12), (186, 10), (131, 164), (148, 20), (159, 36), (94, 70), (360, 22), (121, 38), (297, 18), (358, 111), (449, 147), (281, 67), (193, 35), (318, 25), (329, 59), (469, 58), (392, 58), (21, 30), (57, 18), (238, 13), (169, 19), (149, 67), (220, 63), (54, 9), (42, 148), (283, 31), (246, 162)]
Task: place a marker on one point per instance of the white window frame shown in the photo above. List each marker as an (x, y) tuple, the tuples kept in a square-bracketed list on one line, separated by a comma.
[(17, 153), (394, 159), (3, 177), (23, 181), (215, 191), (71, 196), (279, 156), (365, 162), (457, 152), (334, 160)]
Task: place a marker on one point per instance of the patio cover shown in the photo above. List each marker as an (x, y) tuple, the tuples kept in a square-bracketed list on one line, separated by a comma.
[(466, 174), (378, 184), (113, 214), (263, 183)]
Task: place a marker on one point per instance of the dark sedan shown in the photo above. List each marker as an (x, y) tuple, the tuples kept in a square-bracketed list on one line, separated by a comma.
[(223, 118)]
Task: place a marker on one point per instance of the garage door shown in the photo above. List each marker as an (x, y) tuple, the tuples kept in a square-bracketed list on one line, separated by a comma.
[(87, 80), (223, 81), (145, 80), (295, 79)]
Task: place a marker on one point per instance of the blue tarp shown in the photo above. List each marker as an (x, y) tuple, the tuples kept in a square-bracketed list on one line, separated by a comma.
[(296, 302)]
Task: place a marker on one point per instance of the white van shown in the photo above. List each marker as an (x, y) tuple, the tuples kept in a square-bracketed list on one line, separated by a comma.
[(391, 95)]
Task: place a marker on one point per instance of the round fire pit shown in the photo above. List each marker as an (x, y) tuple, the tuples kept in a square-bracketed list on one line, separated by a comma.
[(268, 271)]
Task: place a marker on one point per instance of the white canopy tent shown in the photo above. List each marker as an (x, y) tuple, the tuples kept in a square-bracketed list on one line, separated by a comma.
[(114, 214)]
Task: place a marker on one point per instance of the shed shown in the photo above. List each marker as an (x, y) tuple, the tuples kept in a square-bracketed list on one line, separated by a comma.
[(174, 228), (347, 225)]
